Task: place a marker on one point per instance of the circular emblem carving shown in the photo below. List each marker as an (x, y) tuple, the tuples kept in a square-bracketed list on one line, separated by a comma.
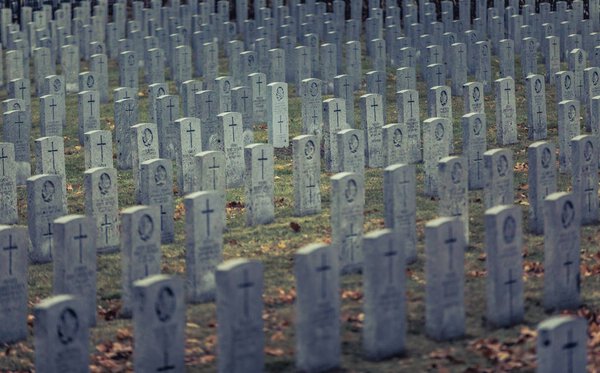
[(351, 191), (99, 49), (145, 227), (314, 89), (353, 143), (509, 229), (160, 175), (250, 60), (502, 166), (397, 138), (90, 81), (588, 151), (131, 60), (439, 131), (443, 98), (477, 126), (161, 91), (48, 190), (226, 87), (456, 174), (537, 85), (279, 93), (476, 94), (16, 106), (546, 157), (595, 77), (572, 112), (484, 50), (147, 137), (568, 81), (56, 85), (214, 142), (309, 149), (567, 215), (104, 183), (68, 326), (165, 304), (580, 57)]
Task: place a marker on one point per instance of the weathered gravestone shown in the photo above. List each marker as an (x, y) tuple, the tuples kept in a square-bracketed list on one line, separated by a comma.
[(394, 143), (258, 83), (45, 203), (435, 147), (498, 178), (565, 86), (8, 184), (474, 146), (16, 130), (537, 125), (13, 283), (347, 207), (506, 112), (52, 115), (156, 189), (453, 190), (210, 171), (504, 264), (102, 203), (561, 252), (312, 107), (542, 181), (167, 111), (334, 120), (188, 142), (444, 289), (584, 177), (140, 248), (384, 331), (206, 111), (306, 175), (239, 316), (75, 261), (126, 116), (278, 120), (317, 310), (241, 102), (98, 147), (155, 90), (61, 335), (205, 217), (259, 184), (568, 127), (343, 89), (372, 120), (562, 344), (351, 153), (144, 147), (159, 324), (407, 103), (231, 128), (89, 113), (473, 97)]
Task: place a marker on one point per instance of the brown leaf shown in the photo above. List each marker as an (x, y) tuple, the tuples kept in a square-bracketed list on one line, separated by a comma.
[(295, 226), (273, 351)]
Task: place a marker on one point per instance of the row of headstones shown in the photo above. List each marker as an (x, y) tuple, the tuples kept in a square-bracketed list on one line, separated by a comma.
[(158, 304)]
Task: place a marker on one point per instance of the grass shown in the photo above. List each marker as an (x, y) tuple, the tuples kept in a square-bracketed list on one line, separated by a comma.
[(275, 244)]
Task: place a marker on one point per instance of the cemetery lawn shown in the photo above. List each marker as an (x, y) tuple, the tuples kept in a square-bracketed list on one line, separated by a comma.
[(482, 349)]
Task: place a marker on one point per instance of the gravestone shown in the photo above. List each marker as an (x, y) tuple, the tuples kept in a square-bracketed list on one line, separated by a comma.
[(351, 151), (126, 116), (506, 111), (128, 69), (241, 102), (568, 127), (562, 344), (188, 142), (13, 282), (99, 65), (144, 147), (210, 171), (312, 107), (231, 129), (239, 316), (542, 181), (565, 86), (206, 111), (562, 279), (102, 203), (394, 143), (98, 149), (45, 203), (140, 248), (89, 113), (61, 335), (317, 309), (444, 284), (474, 146), (8, 184), (384, 332), (347, 207), (343, 89), (278, 115), (591, 82), (159, 324), (371, 107), (334, 120), (406, 78), (16, 130), (504, 265), (75, 262), (156, 189), (167, 111), (259, 184), (306, 175), (155, 90), (507, 58), (498, 178), (537, 125), (204, 219), (258, 83), (439, 101), (435, 147), (52, 115), (453, 190), (584, 177), (407, 103), (188, 100), (50, 158), (473, 97)]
